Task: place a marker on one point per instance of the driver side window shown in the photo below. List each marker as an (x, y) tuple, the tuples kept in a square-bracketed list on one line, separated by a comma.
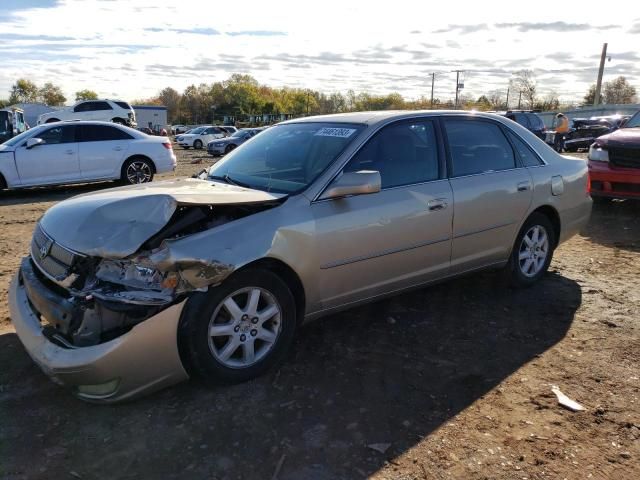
[(56, 135), (404, 153)]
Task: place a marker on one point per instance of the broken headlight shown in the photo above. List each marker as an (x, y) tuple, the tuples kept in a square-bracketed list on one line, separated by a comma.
[(135, 275)]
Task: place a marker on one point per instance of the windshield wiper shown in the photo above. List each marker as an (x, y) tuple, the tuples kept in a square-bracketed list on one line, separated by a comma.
[(227, 179)]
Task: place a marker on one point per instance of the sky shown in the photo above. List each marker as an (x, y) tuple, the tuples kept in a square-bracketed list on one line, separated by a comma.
[(131, 49)]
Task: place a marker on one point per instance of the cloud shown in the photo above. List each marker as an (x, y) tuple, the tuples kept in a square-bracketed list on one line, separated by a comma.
[(46, 38), (635, 28), (257, 33), (463, 29), (195, 31), (558, 26)]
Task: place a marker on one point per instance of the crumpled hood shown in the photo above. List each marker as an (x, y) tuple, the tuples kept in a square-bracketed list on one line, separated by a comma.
[(114, 223), (623, 137)]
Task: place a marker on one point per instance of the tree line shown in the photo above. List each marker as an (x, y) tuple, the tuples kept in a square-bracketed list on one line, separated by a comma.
[(242, 95)]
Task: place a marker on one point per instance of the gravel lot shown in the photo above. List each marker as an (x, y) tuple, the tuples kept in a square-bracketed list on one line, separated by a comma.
[(453, 381)]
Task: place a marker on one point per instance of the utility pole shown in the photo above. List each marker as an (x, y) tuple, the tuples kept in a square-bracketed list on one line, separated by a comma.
[(507, 98), (433, 79), (308, 103), (458, 72), (596, 99), (519, 99)]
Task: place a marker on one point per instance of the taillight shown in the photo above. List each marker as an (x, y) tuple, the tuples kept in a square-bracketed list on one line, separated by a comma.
[(167, 145)]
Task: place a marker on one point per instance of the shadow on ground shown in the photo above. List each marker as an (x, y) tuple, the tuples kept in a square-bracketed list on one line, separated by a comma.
[(391, 372), (50, 194), (615, 223)]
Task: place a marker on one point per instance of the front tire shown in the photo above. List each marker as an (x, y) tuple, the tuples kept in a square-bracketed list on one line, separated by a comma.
[(197, 144), (532, 251), (229, 148), (240, 329), (137, 170)]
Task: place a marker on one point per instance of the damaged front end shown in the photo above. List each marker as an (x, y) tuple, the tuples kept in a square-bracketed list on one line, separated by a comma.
[(88, 300)]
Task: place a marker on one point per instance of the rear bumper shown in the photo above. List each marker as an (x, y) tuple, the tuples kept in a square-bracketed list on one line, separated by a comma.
[(143, 360), (607, 181)]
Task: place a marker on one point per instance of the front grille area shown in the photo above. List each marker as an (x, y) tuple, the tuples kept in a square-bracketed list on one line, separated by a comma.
[(624, 157), (52, 259)]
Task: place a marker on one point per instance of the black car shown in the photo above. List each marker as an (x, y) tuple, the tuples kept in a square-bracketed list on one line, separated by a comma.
[(528, 119)]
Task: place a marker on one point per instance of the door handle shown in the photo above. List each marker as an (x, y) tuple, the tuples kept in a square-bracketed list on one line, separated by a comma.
[(523, 186), (70, 152), (117, 149), (437, 204)]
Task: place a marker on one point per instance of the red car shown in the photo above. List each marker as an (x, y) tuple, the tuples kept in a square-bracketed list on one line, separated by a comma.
[(614, 162)]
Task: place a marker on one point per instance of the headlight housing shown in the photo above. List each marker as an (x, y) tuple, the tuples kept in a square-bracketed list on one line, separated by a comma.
[(219, 144), (135, 276), (598, 154)]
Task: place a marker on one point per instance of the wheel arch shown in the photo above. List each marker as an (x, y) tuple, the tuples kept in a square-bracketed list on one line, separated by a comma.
[(3, 182), (289, 276), (552, 214), (138, 156)]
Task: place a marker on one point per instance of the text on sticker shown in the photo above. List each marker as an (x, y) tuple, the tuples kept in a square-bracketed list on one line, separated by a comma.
[(335, 132)]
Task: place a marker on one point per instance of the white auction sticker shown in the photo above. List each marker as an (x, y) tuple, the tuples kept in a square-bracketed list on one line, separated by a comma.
[(335, 132)]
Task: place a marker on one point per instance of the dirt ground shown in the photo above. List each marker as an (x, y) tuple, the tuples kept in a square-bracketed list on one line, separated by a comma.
[(453, 381)]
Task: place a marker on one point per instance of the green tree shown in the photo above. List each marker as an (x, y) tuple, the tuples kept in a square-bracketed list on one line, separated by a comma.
[(23, 91), (590, 96), (170, 98), (52, 95), (86, 95), (619, 91)]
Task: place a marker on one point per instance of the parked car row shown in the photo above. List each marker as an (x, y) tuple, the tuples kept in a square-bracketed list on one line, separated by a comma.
[(201, 136), (225, 145), (84, 151)]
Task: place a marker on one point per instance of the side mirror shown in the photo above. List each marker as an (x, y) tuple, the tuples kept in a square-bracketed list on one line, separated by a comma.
[(33, 142), (353, 183)]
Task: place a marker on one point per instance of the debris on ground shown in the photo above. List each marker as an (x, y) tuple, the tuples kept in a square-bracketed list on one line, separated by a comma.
[(379, 447), (566, 401)]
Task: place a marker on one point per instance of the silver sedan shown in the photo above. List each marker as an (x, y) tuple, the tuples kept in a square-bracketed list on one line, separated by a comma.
[(132, 289)]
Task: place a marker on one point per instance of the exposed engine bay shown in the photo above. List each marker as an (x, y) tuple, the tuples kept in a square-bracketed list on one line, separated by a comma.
[(87, 300)]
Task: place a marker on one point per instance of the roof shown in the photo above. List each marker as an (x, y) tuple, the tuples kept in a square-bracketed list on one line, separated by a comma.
[(148, 107), (382, 116)]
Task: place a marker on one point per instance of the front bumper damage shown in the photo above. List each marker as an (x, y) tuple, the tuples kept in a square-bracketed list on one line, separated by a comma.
[(143, 360)]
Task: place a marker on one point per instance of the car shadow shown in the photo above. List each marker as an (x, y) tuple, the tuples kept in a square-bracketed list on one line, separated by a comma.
[(615, 224), (388, 373), (50, 194)]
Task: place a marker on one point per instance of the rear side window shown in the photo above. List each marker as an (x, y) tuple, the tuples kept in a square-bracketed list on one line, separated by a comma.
[(100, 133), (535, 121), (404, 153), (522, 119), (124, 105), (528, 156), (56, 135), (477, 147), (82, 107), (101, 106)]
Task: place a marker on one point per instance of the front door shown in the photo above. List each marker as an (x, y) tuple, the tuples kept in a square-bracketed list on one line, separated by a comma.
[(492, 193), (374, 244), (54, 161)]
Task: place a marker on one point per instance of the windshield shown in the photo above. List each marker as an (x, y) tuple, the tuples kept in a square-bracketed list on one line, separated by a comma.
[(239, 133), (197, 130), (633, 121), (286, 158), (23, 136)]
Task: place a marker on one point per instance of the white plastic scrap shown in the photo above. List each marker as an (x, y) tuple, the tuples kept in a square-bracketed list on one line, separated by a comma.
[(566, 401), (379, 447)]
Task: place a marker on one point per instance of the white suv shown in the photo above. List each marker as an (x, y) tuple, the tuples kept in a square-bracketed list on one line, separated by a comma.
[(103, 110), (79, 152)]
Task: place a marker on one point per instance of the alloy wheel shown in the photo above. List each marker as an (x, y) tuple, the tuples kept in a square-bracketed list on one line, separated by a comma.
[(244, 327), (139, 172), (533, 251)]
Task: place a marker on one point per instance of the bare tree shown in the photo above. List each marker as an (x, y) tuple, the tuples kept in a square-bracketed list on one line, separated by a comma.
[(526, 85)]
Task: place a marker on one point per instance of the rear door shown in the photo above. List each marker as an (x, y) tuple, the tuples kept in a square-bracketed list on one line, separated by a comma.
[(491, 191), (54, 161), (102, 149), (370, 245)]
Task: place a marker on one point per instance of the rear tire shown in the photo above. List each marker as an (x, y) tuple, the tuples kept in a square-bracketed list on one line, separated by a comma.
[(225, 338), (119, 121), (532, 251), (51, 120), (3, 183), (229, 148), (197, 144), (137, 170)]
